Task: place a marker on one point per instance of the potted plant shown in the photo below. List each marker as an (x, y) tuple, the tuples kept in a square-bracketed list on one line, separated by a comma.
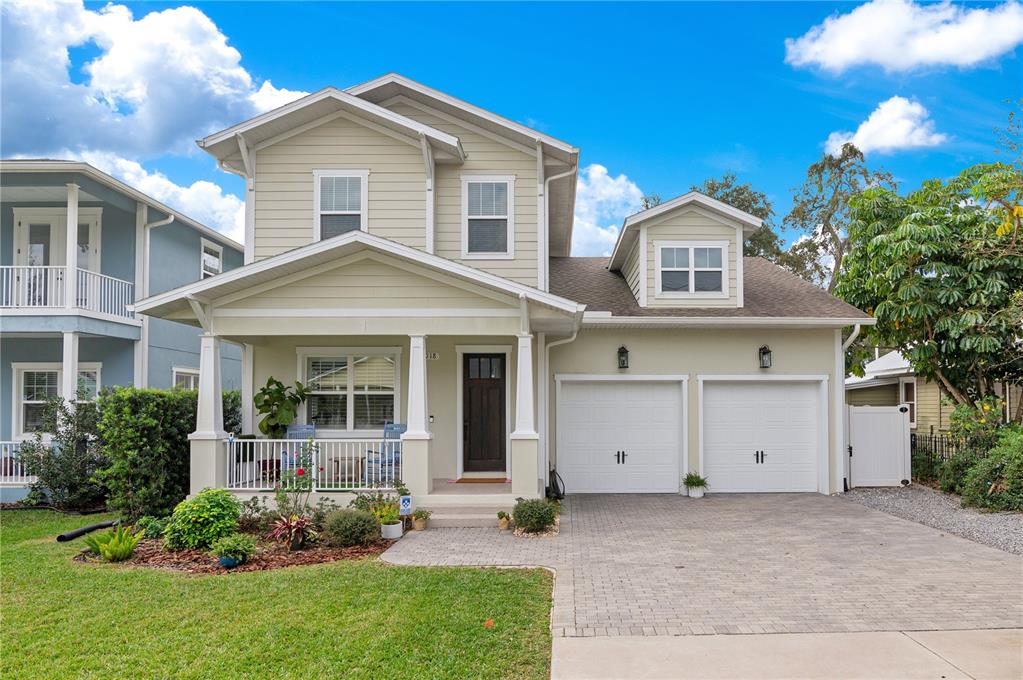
[(279, 405), (503, 520), (695, 484), (419, 519), (390, 520), (234, 550)]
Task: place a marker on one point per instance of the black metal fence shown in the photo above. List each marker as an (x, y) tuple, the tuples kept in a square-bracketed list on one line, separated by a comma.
[(929, 451)]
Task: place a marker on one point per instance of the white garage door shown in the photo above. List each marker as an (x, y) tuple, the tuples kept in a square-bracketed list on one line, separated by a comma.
[(740, 420), (597, 420)]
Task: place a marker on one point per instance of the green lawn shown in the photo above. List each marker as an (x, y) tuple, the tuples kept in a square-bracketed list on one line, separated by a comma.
[(363, 619)]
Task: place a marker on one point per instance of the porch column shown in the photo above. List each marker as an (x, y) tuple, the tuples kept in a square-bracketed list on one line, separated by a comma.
[(416, 468), (71, 249), (525, 444), (69, 369), (208, 455)]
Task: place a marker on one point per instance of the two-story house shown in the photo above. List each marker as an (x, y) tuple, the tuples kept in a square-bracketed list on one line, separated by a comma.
[(407, 259), (77, 249)]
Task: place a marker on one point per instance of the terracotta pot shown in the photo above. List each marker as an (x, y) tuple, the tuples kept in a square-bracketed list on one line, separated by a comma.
[(504, 523), (420, 524)]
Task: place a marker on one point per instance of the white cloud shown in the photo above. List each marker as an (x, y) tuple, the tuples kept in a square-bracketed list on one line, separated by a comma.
[(601, 203), (202, 200), (899, 35), (895, 124), (157, 83)]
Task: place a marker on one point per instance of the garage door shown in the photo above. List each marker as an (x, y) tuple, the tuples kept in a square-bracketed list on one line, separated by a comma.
[(596, 420), (741, 419)]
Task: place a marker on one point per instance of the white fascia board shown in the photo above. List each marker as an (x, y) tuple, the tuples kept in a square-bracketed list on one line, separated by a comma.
[(18, 165), (869, 382), (601, 319), (198, 288), (463, 105)]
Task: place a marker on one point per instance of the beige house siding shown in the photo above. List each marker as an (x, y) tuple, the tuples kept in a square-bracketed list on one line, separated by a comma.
[(690, 224), (882, 395), (930, 411), (284, 214), (485, 157), (631, 270), (696, 352)]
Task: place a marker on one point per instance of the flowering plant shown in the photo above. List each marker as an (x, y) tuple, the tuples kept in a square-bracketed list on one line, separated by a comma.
[(295, 530), (297, 475)]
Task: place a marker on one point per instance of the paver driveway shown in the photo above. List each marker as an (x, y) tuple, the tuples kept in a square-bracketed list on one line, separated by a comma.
[(744, 563)]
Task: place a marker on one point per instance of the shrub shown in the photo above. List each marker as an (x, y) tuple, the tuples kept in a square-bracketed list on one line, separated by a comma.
[(386, 513), (199, 521), (319, 512), (347, 527), (976, 425), (366, 500), (996, 482), (114, 545), (294, 530), (67, 466), (952, 472), (237, 546), (256, 516), (145, 437), (152, 527), (534, 515)]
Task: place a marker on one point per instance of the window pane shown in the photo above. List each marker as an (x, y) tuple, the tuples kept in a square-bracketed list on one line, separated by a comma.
[(373, 410), (675, 281), (328, 374), (488, 236), (82, 259), (908, 392), (335, 225), (38, 245), (714, 257), (211, 260), (88, 382), (329, 411), (700, 257), (668, 257), (681, 257), (474, 368), (186, 381), (487, 199), (341, 194), (708, 281), (39, 385), (374, 374), (34, 417), (495, 367)]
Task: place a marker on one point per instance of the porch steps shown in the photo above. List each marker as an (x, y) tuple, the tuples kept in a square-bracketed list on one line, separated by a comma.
[(465, 516)]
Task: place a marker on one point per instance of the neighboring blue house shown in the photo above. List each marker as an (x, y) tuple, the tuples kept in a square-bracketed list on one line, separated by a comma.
[(66, 291)]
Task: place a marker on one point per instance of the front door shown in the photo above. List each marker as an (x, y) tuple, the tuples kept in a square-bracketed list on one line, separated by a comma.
[(484, 426)]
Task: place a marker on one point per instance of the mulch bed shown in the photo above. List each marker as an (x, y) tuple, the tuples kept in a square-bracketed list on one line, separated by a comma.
[(151, 553)]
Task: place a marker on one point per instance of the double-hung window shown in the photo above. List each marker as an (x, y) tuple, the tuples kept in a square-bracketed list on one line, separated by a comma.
[(212, 257), (340, 197), (351, 390), (488, 217), (697, 269), (37, 384), (185, 378), (907, 396)]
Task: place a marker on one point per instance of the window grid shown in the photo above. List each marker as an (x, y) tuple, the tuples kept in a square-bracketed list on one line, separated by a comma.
[(488, 221), (185, 379), (212, 259), (340, 202), (39, 385), (691, 270), (352, 392)]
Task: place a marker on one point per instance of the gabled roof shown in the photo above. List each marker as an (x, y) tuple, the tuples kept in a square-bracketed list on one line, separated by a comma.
[(283, 120), (881, 371), (629, 230), (323, 252), (45, 165)]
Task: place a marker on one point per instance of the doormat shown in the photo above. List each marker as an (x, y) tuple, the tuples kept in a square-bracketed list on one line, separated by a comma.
[(481, 480)]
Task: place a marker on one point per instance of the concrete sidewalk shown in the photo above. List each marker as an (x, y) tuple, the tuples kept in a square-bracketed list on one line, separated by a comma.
[(980, 654)]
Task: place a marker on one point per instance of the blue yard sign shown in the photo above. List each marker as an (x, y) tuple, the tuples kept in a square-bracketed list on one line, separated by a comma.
[(404, 505)]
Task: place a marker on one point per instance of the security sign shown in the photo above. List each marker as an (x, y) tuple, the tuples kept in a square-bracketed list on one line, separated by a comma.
[(404, 505)]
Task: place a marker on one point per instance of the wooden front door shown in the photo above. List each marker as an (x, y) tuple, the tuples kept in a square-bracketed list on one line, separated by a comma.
[(484, 428)]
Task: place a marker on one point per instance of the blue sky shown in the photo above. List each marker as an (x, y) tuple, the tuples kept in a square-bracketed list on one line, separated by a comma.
[(664, 94)]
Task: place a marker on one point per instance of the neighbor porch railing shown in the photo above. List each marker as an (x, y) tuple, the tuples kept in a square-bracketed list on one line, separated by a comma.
[(24, 287), (12, 470), (330, 464)]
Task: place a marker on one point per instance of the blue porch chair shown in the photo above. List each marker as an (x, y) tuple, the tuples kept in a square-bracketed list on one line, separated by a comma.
[(382, 466)]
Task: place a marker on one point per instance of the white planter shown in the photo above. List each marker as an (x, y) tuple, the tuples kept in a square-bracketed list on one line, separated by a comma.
[(391, 531), (695, 491)]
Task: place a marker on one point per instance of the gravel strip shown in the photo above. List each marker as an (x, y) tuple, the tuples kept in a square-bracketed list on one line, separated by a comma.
[(1002, 530)]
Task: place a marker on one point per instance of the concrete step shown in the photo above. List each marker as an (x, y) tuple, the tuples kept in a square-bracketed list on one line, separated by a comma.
[(458, 516)]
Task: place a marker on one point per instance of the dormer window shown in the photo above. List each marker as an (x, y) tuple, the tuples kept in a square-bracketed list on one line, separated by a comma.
[(692, 269), (341, 197), (488, 230)]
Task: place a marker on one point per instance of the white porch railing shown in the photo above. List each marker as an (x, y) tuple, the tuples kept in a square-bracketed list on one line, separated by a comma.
[(46, 287), (12, 470), (331, 464)]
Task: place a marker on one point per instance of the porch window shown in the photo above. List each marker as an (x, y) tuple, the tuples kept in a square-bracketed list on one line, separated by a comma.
[(907, 395), (352, 392), (37, 384), (692, 269), (487, 217), (341, 198), (212, 259)]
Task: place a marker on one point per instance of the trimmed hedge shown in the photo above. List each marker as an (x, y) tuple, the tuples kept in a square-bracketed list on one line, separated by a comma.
[(347, 527), (534, 515)]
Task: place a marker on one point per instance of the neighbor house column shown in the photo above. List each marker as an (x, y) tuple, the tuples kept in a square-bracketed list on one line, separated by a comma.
[(525, 444), (71, 249), (208, 457), (69, 369), (416, 469)]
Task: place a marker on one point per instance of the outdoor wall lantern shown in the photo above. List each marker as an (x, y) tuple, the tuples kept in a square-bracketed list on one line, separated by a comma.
[(765, 357), (623, 357)]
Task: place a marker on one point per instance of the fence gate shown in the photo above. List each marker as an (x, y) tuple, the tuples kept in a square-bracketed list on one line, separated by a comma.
[(878, 445)]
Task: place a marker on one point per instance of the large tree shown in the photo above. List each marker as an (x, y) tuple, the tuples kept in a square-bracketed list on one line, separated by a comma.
[(942, 271), (820, 208)]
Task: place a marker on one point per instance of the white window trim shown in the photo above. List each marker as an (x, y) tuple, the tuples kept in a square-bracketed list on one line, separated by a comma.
[(305, 352), (57, 218), (204, 244), (914, 402), (180, 370), (692, 294), (17, 389), (510, 181), (362, 173)]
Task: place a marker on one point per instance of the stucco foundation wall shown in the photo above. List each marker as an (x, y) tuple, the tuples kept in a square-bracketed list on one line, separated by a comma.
[(699, 352)]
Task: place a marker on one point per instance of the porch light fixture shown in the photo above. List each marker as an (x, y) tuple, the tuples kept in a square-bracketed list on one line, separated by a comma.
[(765, 356), (623, 357)]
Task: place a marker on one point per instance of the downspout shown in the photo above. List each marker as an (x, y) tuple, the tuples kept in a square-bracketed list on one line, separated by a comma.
[(852, 337), (547, 223), (841, 422), (545, 422)]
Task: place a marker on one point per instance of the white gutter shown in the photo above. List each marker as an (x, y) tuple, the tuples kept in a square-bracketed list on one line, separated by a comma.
[(604, 319), (852, 337), (547, 222)]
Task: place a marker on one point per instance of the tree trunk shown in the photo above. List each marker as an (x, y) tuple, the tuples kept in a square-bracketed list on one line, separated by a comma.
[(839, 255), (955, 392)]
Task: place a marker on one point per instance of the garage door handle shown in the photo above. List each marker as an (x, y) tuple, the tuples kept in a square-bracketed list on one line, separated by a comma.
[(762, 456), (618, 457)]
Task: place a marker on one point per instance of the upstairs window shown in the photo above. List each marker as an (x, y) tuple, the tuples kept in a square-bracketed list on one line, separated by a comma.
[(341, 197), (488, 217), (692, 269), (212, 259)]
